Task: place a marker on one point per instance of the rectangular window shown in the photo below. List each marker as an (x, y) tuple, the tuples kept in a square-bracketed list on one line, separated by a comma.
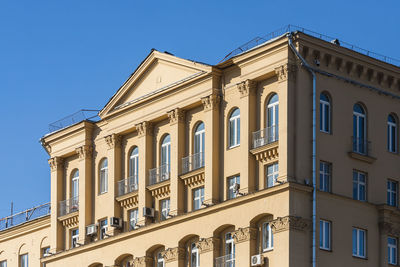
[(194, 256), (3, 263), (103, 228), (325, 235), (392, 193), (198, 198), (359, 186), (74, 237), (392, 250), (267, 237), (103, 180), (233, 186), (359, 242), (272, 174), (164, 209), (325, 176), (23, 260), (133, 219)]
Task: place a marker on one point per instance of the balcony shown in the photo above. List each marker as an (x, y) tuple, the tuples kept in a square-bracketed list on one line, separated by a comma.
[(193, 162), (68, 206), (25, 216), (225, 261), (160, 174), (265, 136), (360, 149), (127, 186)]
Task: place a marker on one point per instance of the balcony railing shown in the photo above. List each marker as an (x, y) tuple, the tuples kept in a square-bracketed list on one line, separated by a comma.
[(127, 185), (265, 136), (225, 261), (193, 162), (160, 174), (360, 146), (25, 216), (68, 206)]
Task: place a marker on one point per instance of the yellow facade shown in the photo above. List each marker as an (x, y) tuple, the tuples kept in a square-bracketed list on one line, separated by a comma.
[(244, 178)]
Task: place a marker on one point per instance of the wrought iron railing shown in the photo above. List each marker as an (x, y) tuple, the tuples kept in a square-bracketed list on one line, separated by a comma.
[(360, 145), (159, 174), (225, 261), (68, 206), (127, 185), (25, 216), (193, 162), (265, 136), (81, 115)]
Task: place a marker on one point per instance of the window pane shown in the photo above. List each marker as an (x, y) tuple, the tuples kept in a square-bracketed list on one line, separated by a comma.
[(238, 132), (354, 241), (362, 243)]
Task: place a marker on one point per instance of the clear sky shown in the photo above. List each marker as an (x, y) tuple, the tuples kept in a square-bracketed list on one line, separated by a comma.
[(57, 57)]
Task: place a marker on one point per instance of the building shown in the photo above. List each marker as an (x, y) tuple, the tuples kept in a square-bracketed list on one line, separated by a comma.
[(192, 164)]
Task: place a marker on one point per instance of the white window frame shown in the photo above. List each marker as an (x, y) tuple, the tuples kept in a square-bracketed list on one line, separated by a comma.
[(272, 174), (104, 176), (392, 250), (392, 140), (166, 155), (74, 237), (194, 252), (325, 126), (325, 229), (160, 260), (24, 260), (134, 167), (392, 193), (103, 228), (325, 176), (230, 245), (272, 125), (198, 197), (234, 122), (75, 185), (358, 117), (358, 233), (199, 138), (267, 237), (231, 183), (359, 184), (165, 209), (3, 263), (133, 218)]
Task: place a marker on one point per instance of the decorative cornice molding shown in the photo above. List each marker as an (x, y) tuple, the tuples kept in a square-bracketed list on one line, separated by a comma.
[(144, 128), (173, 254), (176, 115), (84, 151), (113, 140), (286, 72), (211, 102), (266, 153), (208, 244), (142, 261), (246, 87), (70, 222), (56, 163), (289, 223), (245, 234)]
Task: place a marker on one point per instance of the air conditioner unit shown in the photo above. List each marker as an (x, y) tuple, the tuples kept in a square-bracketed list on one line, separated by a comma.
[(257, 260), (116, 222), (148, 212), (91, 230)]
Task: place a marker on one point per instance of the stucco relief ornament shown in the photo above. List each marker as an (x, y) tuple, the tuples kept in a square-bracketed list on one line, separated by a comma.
[(285, 72), (84, 151), (246, 87), (141, 261), (173, 254), (56, 163), (289, 223), (245, 234), (211, 101), (113, 140), (176, 115), (144, 128), (207, 244)]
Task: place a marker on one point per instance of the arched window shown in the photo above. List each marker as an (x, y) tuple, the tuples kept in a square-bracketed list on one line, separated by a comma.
[(165, 157), (272, 118), (103, 176), (134, 168), (324, 113), (159, 260), (234, 128), (359, 130), (199, 135), (392, 134), (75, 185)]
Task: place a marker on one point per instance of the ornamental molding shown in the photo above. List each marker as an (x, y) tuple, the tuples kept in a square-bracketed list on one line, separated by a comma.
[(211, 102), (173, 254), (160, 190), (208, 244), (289, 223), (84, 152), (176, 115), (267, 153), (56, 163), (144, 128), (113, 140), (245, 234), (129, 201), (194, 178), (388, 228), (70, 221), (142, 261), (286, 72), (246, 87)]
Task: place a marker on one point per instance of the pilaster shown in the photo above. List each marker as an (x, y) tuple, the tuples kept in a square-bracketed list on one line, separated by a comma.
[(208, 248), (57, 175), (245, 242)]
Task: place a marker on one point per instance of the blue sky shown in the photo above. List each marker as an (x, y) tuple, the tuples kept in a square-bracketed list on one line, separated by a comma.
[(57, 57)]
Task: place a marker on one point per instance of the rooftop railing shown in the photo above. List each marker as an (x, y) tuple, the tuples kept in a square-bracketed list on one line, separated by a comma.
[(68, 206), (159, 174), (25, 216), (192, 162), (225, 261), (361, 146), (127, 186), (265, 136), (81, 115)]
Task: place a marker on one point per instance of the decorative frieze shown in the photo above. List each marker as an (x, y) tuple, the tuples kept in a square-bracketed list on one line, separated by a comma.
[(84, 151), (173, 254), (286, 72), (70, 221), (160, 190), (267, 153), (246, 87), (144, 128), (176, 115), (208, 244), (113, 140), (142, 261), (289, 223), (245, 234), (56, 163), (211, 102), (129, 201), (194, 178)]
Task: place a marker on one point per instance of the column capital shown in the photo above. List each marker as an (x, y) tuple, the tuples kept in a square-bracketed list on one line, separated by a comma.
[(173, 254), (141, 261), (246, 87), (84, 151), (56, 163), (207, 244), (289, 223), (113, 140), (286, 72), (211, 102), (144, 128), (245, 234), (176, 115)]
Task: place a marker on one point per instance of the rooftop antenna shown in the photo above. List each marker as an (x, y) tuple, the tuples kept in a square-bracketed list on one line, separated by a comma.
[(12, 211)]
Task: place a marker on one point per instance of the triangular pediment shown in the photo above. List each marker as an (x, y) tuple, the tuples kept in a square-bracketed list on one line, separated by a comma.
[(159, 70)]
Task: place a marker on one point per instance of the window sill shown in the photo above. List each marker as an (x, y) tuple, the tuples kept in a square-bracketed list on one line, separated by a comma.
[(322, 131), (362, 157), (231, 147), (268, 250), (360, 257), (327, 250), (102, 193)]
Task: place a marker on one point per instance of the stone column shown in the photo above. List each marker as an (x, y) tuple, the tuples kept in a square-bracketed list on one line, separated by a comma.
[(208, 250), (248, 122), (174, 257), (85, 189), (114, 174), (145, 133), (211, 169), (57, 195), (177, 131), (245, 245)]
